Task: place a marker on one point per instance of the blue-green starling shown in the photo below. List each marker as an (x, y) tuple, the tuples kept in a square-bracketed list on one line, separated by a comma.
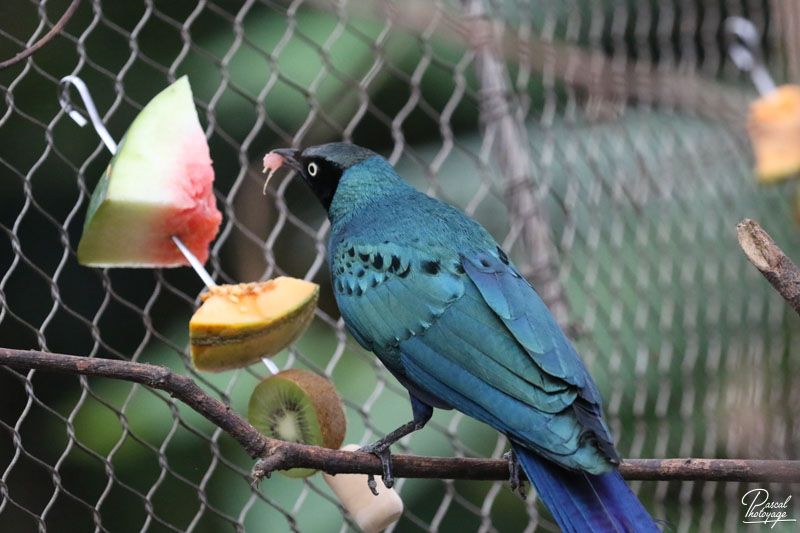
[(431, 293)]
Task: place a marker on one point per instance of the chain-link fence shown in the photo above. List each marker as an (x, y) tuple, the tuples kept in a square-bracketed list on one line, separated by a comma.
[(601, 143)]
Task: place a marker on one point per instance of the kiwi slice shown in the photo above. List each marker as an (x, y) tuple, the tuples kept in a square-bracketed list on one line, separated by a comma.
[(298, 406)]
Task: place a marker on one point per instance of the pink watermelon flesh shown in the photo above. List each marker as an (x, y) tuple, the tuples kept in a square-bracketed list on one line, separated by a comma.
[(195, 220), (159, 184)]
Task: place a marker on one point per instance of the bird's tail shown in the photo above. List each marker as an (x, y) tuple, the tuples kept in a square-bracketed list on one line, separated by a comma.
[(583, 503)]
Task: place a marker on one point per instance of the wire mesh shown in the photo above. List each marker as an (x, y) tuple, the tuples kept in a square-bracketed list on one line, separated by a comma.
[(600, 142)]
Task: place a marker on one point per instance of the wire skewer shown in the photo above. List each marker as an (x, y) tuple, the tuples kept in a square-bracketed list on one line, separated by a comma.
[(745, 51)]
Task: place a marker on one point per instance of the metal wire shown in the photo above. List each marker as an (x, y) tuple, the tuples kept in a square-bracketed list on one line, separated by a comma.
[(634, 171)]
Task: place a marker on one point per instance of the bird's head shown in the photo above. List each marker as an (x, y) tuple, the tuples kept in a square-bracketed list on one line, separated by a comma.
[(322, 166)]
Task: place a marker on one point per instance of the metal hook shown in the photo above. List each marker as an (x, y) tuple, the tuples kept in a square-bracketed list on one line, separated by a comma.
[(745, 51), (74, 114)]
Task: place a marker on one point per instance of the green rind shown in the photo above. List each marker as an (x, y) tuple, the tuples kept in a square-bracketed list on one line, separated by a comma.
[(109, 223), (101, 189), (774, 178), (98, 196), (263, 400)]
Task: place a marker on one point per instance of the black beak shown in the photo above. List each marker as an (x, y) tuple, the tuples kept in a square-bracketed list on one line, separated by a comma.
[(291, 158)]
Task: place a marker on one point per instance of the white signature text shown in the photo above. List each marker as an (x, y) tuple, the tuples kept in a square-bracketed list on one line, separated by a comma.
[(760, 510)]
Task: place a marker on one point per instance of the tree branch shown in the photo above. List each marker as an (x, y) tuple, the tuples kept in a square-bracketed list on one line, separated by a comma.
[(281, 455), (155, 377), (55, 30), (770, 260), (747, 470)]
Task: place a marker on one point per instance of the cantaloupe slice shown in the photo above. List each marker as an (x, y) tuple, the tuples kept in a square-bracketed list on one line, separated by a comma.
[(157, 185), (774, 128), (239, 324)]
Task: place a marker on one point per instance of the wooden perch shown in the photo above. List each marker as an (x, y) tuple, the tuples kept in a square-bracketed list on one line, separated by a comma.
[(770, 260), (279, 455)]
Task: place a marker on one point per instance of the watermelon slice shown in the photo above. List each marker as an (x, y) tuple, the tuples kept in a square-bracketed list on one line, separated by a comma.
[(158, 184)]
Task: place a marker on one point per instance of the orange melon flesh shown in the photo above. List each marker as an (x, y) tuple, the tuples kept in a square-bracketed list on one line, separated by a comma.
[(774, 128), (237, 325)]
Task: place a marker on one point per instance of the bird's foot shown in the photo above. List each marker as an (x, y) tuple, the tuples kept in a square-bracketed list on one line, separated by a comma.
[(265, 466), (381, 449), (513, 470), (383, 452)]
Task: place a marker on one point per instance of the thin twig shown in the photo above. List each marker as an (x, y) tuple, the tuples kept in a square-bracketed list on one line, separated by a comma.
[(770, 260), (284, 455), (747, 470), (156, 377), (55, 30)]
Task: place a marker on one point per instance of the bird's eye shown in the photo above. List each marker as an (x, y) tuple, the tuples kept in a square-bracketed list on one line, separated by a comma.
[(312, 169)]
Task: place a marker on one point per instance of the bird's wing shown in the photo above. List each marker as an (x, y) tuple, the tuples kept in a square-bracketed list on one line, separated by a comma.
[(384, 296), (472, 332), (528, 319), (514, 301)]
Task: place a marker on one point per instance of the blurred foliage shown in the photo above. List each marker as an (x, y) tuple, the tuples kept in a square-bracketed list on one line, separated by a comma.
[(648, 172)]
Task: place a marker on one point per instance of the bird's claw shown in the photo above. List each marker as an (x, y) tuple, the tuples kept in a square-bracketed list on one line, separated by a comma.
[(381, 449), (372, 484), (513, 470), (382, 452)]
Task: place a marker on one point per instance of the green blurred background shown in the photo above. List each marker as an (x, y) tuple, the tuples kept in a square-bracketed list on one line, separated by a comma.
[(641, 191)]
